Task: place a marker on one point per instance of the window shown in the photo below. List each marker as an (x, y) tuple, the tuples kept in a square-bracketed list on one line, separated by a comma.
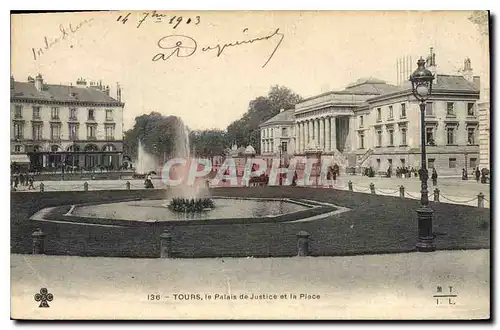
[(450, 134), (91, 130), (272, 146), (72, 113), (361, 121), (379, 114), (390, 162), (272, 132), (361, 141), (18, 130), (473, 162), (471, 135), (91, 114), (452, 162), (37, 132), (17, 148), (284, 131), (430, 163), (429, 136), (470, 109), (284, 147), (403, 136), (36, 112), (391, 137), (54, 113), (109, 114), (403, 162), (378, 163), (391, 113), (18, 111), (110, 132), (450, 108), (73, 132), (379, 138), (55, 132), (403, 110), (429, 111)]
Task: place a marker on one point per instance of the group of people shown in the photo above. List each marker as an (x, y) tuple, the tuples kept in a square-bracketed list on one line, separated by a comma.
[(406, 172), (480, 175), (22, 179)]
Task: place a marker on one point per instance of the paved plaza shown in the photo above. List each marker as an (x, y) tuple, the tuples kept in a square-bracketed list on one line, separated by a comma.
[(452, 190), (395, 286)]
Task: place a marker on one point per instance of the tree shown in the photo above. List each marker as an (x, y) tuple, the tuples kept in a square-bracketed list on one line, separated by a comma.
[(158, 134), (208, 143), (246, 131)]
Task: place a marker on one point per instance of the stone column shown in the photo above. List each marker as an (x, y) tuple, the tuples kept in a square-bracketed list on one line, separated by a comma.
[(321, 141), (328, 137), (303, 136), (316, 132), (333, 133), (309, 131), (297, 137)]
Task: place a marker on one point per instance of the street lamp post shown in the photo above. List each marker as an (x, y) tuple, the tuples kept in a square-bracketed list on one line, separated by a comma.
[(421, 82)]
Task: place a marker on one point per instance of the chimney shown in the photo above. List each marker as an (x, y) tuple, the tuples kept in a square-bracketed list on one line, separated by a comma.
[(476, 80), (81, 82), (39, 82), (467, 70), (431, 62), (118, 92), (11, 82), (106, 90)]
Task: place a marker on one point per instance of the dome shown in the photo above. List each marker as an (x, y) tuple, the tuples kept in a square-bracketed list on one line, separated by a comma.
[(250, 150)]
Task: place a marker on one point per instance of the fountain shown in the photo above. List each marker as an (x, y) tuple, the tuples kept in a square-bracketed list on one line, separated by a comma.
[(145, 162), (187, 197)]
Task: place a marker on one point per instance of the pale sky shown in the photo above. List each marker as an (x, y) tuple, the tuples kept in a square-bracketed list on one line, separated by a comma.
[(319, 51)]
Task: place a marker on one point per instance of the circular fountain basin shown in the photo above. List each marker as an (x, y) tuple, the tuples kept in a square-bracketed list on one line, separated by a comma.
[(157, 210)]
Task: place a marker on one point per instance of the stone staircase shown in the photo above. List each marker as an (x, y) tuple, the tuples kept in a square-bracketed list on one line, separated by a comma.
[(363, 158)]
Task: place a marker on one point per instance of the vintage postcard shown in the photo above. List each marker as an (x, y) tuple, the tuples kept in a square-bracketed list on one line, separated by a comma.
[(300, 165)]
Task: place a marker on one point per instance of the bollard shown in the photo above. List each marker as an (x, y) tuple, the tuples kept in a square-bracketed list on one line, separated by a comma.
[(402, 191), (38, 241), (436, 195), (372, 188), (303, 243), (42, 187), (165, 245), (480, 200), (350, 185), (86, 186), (127, 184)]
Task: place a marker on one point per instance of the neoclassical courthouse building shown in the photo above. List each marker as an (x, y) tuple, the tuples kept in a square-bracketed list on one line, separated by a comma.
[(78, 125), (373, 123)]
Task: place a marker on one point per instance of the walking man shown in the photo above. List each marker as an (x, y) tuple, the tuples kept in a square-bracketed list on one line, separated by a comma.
[(434, 177)]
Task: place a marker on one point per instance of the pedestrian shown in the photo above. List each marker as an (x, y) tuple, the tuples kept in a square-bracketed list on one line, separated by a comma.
[(21, 179), (478, 174), (464, 174), (31, 181), (434, 177), (16, 181)]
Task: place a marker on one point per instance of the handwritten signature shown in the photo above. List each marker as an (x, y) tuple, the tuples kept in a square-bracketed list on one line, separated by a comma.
[(184, 46), (65, 33)]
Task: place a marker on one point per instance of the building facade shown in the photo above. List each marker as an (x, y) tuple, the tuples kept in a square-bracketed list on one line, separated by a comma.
[(371, 123), (481, 19), (54, 126), (277, 136)]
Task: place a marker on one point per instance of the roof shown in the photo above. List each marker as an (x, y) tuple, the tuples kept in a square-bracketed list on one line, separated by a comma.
[(284, 116), (454, 82), (444, 83), (60, 93)]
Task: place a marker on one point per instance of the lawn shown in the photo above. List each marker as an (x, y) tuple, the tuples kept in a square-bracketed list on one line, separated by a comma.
[(376, 224)]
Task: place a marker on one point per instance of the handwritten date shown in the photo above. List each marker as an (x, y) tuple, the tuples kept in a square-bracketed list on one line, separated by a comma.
[(157, 17)]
